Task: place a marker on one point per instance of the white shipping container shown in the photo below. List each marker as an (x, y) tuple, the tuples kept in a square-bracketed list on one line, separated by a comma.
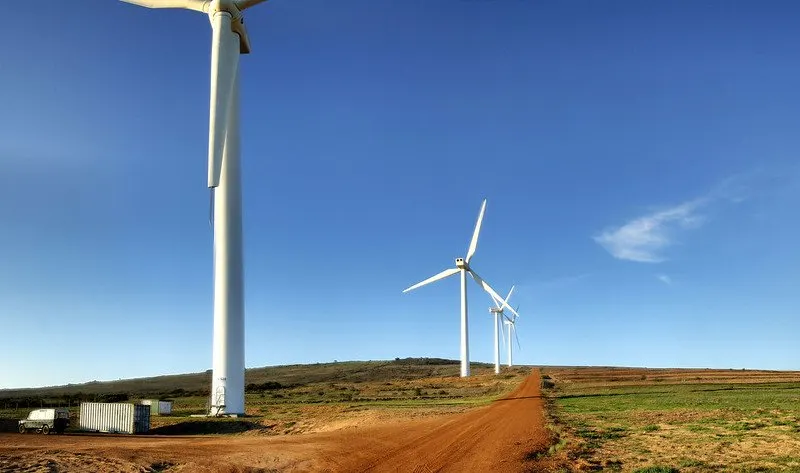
[(114, 417)]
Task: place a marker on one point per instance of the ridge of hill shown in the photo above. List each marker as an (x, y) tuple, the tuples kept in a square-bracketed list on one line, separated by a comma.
[(255, 378)]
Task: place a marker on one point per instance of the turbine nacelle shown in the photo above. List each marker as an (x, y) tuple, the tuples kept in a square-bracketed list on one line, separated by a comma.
[(461, 264)]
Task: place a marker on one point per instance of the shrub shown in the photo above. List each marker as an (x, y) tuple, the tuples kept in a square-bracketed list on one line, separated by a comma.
[(113, 397), (267, 386)]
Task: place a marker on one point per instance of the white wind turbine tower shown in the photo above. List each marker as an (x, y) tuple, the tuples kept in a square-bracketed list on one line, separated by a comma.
[(463, 267), (229, 40), (512, 327), (498, 319)]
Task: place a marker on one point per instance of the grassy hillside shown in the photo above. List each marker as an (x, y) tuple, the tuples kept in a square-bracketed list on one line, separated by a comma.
[(257, 379), (292, 399)]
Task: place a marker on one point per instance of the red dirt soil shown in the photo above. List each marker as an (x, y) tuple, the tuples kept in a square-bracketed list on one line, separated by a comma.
[(501, 437)]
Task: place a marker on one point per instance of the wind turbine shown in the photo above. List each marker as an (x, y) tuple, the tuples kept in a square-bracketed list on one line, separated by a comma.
[(229, 40), (463, 267), (498, 318), (512, 327)]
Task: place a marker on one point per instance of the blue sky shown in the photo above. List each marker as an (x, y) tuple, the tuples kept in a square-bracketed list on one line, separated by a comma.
[(639, 161)]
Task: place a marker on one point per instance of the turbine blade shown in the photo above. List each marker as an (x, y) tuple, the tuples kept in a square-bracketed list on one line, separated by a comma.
[(503, 330), (224, 67), (473, 245), (211, 209), (245, 4), (497, 303), (509, 294), (244, 38), (516, 337), (442, 275), (196, 5), (486, 287)]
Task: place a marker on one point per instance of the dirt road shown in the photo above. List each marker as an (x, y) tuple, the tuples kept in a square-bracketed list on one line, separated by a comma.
[(495, 438)]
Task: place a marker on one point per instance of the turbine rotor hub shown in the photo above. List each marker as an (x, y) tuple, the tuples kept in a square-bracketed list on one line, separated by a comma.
[(215, 7), (224, 6), (461, 264)]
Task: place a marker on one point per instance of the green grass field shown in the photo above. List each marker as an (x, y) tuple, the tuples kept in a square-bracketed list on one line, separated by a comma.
[(678, 421)]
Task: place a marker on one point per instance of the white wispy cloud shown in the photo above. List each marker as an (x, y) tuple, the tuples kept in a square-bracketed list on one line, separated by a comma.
[(644, 238), (664, 278)]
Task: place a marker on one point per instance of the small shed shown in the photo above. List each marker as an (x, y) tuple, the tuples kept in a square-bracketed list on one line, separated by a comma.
[(158, 407)]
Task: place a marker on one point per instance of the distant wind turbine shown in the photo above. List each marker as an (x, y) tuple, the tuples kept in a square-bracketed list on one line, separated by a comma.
[(463, 267), (511, 322), (498, 320), (229, 40)]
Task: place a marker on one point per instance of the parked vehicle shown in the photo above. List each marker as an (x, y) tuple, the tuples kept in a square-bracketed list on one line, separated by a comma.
[(46, 420)]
